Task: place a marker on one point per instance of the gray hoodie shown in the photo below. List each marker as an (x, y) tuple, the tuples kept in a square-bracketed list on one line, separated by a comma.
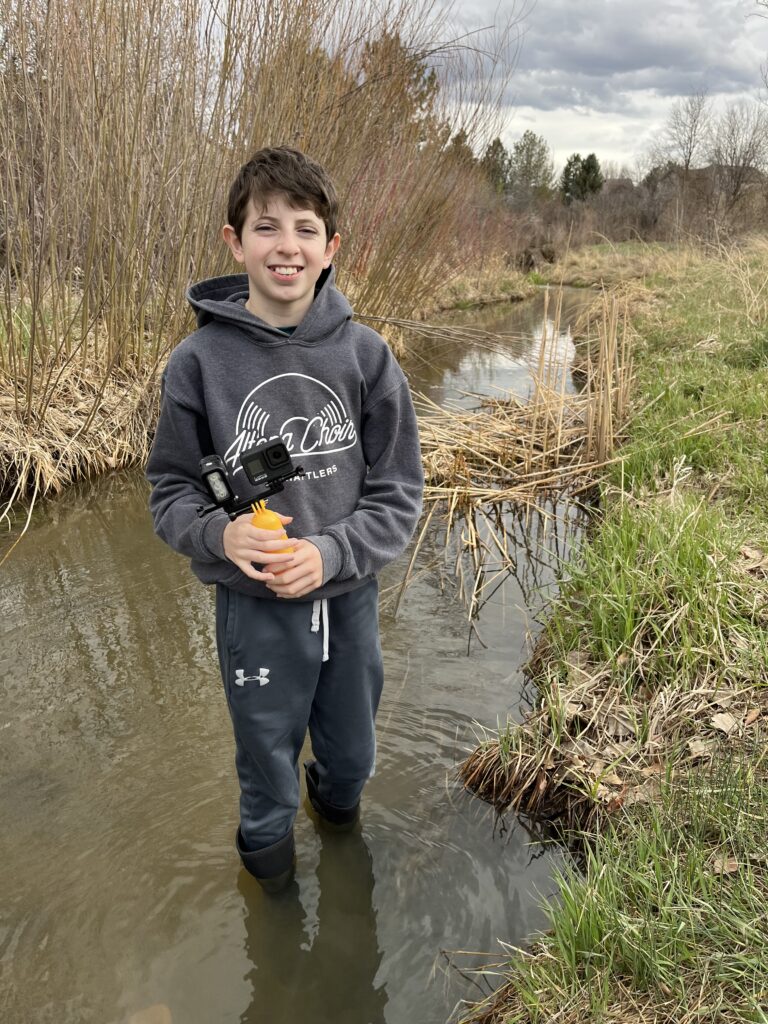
[(335, 395)]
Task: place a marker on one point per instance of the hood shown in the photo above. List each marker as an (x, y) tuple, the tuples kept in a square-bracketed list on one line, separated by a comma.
[(223, 299)]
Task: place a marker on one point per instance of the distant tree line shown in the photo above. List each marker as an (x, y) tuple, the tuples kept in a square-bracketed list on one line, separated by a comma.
[(705, 175)]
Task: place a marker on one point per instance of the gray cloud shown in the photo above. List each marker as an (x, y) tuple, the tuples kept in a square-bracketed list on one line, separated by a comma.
[(606, 55)]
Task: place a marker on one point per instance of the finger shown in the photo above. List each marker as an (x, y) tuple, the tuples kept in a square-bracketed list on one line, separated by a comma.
[(255, 574), (269, 558), (285, 519), (261, 536), (274, 543), (294, 588)]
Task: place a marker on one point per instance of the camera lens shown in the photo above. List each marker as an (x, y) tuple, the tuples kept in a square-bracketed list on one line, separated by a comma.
[(276, 456)]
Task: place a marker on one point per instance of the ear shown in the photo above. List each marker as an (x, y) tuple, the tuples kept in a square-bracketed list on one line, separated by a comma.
[(229, 235), (331, 249)]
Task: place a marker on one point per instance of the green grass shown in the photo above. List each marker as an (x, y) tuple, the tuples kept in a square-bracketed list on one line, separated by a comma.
[(658, 594), (664, 612), (654, 913)]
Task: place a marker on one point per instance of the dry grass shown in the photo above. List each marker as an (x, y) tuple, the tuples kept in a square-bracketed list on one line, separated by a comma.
[(508, 453), (493, 279), (122, 126), (607, 265), (656, 655), (96, 425)]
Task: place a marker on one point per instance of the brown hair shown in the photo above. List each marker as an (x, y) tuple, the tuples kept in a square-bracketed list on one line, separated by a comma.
[(286, 172)]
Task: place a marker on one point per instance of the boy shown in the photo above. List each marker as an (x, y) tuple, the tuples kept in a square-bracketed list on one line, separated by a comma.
[(277, 355)]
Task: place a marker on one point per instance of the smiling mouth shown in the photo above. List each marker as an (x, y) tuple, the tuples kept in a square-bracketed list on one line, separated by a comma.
[(286, 271)]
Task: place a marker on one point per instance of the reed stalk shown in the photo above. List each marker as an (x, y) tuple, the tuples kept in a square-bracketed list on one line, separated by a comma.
[(122, 126), (508, 453)]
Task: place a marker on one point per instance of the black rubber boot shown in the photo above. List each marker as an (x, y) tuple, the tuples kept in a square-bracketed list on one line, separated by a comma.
[(273, 867), (340, 819)]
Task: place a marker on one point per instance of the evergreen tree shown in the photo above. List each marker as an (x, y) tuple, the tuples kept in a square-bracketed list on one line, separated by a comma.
[(570, 179), (580, 178), (531, 171), (460, 148), (591, 176), (495, 165)]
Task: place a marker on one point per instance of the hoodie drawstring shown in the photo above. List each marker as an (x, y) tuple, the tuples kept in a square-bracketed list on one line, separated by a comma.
[(320, 611)]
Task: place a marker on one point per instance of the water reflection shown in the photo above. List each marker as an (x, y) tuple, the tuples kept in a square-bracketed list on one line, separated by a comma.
[(450, 370), (121, 898), (295, 972)]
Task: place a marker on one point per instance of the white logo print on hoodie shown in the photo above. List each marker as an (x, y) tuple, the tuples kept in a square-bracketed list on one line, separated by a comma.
[(326, 429)]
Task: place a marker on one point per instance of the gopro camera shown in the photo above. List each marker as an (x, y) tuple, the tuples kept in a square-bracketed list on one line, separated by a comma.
[(266, 462), (267, 467)]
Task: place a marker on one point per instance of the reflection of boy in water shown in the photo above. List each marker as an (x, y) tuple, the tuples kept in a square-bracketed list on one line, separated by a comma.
[(328, 977), (297, 633)]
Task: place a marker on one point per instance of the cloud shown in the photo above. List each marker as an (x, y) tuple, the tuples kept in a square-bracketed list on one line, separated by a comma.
[(586, 54), (617, 65)]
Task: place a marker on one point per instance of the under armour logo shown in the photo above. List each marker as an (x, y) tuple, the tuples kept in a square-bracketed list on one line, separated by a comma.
[(241, 678)]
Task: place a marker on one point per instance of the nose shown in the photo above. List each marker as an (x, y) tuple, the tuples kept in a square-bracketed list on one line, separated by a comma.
[(287, 243)]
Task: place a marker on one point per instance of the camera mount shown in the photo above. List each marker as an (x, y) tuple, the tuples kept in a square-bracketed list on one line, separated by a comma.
[(267, 466)]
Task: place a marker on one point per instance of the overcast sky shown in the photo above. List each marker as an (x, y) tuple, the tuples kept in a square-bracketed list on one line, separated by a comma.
[(601, 75)]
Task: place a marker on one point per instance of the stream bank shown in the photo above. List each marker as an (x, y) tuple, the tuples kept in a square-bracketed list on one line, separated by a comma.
[(648, 741)]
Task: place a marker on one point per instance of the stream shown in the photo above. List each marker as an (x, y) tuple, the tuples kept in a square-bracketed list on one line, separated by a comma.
[(123, 900)]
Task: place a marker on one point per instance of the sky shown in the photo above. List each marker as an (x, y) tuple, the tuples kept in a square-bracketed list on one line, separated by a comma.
[(602, 75)]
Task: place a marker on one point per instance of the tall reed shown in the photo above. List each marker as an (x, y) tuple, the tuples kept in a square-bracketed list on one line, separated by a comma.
[(122, 125)]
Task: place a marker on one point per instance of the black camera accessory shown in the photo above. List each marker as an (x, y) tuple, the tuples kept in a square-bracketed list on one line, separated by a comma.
[(267, 467)]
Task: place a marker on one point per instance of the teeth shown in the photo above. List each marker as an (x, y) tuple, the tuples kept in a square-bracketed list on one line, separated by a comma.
[(286, 271)]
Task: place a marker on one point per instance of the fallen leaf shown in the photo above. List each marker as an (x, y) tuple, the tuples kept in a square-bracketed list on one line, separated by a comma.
[(701, 748), (579, 748), (723, 698), (725, 722), (615, 723), (757, 560), (577, 663), (612, 779), (572, 710), (753, 716), (617, 751), (724, 865), (644, 793), (577, 659), (753, 554), (652, 769)]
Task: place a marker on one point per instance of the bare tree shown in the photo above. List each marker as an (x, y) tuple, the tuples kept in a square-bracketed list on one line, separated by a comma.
[(684, 137), (738, 150), (764, 68)]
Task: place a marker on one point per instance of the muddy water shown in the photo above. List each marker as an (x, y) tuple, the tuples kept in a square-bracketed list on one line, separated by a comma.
[(122, 897)]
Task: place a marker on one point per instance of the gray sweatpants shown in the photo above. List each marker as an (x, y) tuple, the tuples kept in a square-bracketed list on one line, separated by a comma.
[(277, 685)]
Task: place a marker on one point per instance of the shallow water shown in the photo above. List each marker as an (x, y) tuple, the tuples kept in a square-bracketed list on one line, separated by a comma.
[(123, 899)]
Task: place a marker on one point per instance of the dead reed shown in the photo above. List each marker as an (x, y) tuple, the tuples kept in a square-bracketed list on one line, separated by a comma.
[(510, 453), (122, 126)]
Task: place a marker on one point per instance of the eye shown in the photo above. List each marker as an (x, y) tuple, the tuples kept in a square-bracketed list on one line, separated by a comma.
[(308, 231), (264, 227)]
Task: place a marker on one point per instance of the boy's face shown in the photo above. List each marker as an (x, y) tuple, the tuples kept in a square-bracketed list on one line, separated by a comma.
[(284, 251)]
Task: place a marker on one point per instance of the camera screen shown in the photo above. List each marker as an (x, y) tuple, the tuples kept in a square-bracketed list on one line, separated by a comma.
[(254, 465)]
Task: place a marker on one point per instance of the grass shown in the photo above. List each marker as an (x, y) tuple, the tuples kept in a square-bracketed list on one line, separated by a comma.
[(115, 178), (491, 280), (509, 454), (664, 920), (652, 669)]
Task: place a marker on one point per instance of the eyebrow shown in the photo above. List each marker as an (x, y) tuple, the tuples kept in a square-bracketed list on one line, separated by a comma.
[(275, 220)]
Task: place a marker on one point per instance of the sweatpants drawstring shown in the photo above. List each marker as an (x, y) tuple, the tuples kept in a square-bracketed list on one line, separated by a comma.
[(320, 611)]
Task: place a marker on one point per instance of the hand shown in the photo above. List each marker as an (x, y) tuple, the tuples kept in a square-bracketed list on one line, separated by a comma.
[(245, 544), (303, 574)]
